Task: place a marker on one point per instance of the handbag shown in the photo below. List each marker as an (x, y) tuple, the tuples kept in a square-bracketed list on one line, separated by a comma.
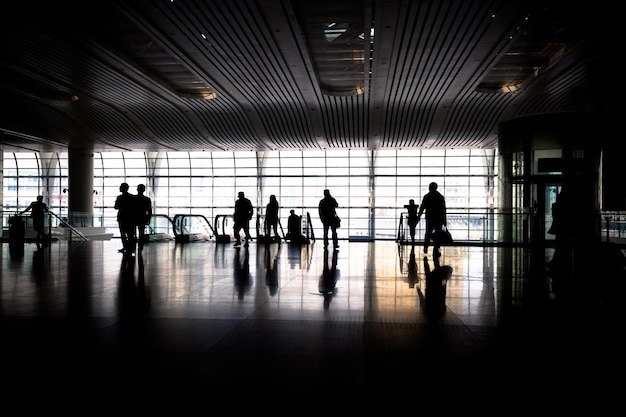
[(337, 222), (443, 236)]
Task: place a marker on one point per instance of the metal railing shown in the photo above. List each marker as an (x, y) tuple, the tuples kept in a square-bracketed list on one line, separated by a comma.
[(479, 228), (613, 225), (72, 231), (476, 227), (55, 225)]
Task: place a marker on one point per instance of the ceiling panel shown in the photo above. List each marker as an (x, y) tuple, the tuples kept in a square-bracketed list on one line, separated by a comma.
[(218, 75)]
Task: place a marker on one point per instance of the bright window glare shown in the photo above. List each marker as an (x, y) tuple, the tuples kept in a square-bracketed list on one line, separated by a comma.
[(371, 187)]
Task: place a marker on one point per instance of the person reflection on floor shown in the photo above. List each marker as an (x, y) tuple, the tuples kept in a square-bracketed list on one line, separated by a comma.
[(434, 303), (39, 268), (143, 291), (412, 267), (243, 280), (127, 289), (271, 267), (328, 280)]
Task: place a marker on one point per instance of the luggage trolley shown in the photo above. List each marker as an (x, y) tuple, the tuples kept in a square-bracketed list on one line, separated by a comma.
[(300, 231), (17, 230)]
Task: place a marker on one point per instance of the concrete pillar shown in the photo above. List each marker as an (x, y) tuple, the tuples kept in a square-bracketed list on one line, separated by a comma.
[(80, 185)]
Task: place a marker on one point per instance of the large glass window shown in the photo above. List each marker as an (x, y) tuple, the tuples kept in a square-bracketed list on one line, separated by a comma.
[(371, 187)]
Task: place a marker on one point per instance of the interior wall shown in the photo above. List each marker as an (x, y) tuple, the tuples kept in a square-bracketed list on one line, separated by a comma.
[(572, 137)]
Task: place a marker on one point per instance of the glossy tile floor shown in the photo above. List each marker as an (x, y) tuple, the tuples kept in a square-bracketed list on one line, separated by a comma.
[(202, 325)]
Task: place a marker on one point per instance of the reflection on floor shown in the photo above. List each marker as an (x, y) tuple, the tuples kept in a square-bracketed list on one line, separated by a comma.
[(204, 324)]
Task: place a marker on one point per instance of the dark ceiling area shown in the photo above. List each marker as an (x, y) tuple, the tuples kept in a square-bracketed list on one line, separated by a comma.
[(241, 75)]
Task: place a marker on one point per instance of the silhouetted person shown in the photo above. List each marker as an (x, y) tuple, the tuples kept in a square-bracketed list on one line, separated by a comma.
[(328, 281), (143, 205), (243, 215), (271, 218), (294, 228), (38, 210), (571, 248), (435, 206), (412, 218), (328, 215), (565, 217), (124, 204)]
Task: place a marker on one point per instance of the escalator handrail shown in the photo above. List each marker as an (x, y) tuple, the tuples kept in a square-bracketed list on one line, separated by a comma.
[(66, 224), (177, 216)]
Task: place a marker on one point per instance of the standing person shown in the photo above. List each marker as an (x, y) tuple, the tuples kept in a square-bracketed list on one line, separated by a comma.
[(271, 218), (243, 215), (328, 215), (412, 218), (435, 205), (38, 213), (143, 204), (125, 218)]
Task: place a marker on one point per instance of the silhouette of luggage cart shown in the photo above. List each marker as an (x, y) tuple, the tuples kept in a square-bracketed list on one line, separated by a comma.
[(17, 230)]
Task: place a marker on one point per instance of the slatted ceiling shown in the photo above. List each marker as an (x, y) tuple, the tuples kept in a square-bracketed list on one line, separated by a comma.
[(553, 95), (194, 51), (291, 134), (430, 81), (164, 126), (48, 117), (231, 123), (119, 132), (134, 64), (346, 125), (223, 129), (240, 35), (265, 84), (564, 98), (489, 110), (237, 132), (143, 52), (469, 110), (473, 134)]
